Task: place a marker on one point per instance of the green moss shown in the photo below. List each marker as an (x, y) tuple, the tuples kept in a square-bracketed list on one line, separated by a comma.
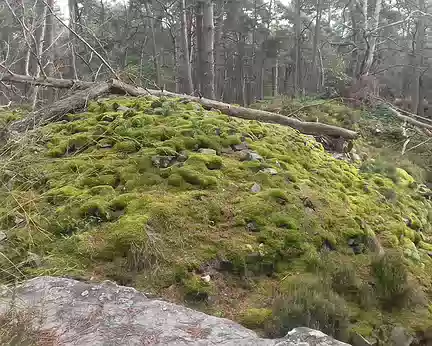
[(255, 318), (196, 178), (103, 190), (210, 161), (126, 147), (62, 194), (197, 289), (86, 197), (95, 208)]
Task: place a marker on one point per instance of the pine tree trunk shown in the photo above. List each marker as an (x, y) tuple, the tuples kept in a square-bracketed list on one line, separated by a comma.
[(49, 37), (185, 72), (155, 57), (219, 53), (199, 32), (372, 38), (39, 51), (417, 102), (72, 21), (297, 72), (316, 41), (208, 38), (275, 78)]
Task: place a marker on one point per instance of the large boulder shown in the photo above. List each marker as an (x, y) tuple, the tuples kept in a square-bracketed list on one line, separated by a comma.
[(77, 313)]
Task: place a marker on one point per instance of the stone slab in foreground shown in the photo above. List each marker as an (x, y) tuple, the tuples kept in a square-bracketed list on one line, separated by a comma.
[(78, 313)]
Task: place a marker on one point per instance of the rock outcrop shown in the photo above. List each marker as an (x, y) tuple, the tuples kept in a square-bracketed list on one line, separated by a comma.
[(78, 313)]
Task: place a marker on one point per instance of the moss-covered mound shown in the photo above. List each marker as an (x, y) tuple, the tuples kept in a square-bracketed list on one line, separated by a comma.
[(250, 221)]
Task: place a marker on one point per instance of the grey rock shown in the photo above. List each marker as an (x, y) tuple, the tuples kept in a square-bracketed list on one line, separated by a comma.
[(227, 150), (240, 147), (207, 151), (256, 188), (400, 337), (33, 260), (270, 171), (3, 236), (358, 340), (355, 157), (89, 314), (253, 156), (183, 156), (163, 161), (252, 226)]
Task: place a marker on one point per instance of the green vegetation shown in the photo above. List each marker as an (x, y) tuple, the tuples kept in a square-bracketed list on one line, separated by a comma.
[(129, 196)]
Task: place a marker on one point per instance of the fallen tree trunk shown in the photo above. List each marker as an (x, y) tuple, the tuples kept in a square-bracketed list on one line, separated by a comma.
[(409, 119), (79, 100), (57, 110)]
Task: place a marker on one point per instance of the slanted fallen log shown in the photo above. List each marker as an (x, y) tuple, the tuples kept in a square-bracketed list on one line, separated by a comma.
[(409, 120), (57, 110), (79, 100)]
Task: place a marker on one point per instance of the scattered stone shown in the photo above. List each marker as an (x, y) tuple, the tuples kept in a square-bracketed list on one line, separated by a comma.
[(358, 340), (240, 147), (308, 203), (85, 293), (58, 304), (252, 226), (3, 236), (33, 260), (227, 151), (163, 161), (327, 246), (355, 157), (206, 278), (207, 151), (252, 156), (254, 189), (183, 156), (400, 337), (225, 265), (270, 171)]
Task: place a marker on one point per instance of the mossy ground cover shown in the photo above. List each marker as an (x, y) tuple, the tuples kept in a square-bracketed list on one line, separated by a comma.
[(132, 197)]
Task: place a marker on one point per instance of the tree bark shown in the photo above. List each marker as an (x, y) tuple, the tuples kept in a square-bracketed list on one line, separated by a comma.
[(199, 32), (184, 59), (72, 21), (416, 99), (316, 40), (372, 38), (49, 37), (208, 36), (297, 25), (275, 78), (155, 57), (39, 51)]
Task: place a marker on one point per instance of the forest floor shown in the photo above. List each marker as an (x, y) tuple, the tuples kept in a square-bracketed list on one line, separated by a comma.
[(249, 221)]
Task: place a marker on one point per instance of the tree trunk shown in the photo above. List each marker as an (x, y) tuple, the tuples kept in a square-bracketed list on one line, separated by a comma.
[(416, 99), (39, 51), (297, 72), (199, 32), (185, 72), (275, 78), (316, 40), (208, 39), (155, 57), (49, 37), (219, 53), (72, 21), (372, 38)]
